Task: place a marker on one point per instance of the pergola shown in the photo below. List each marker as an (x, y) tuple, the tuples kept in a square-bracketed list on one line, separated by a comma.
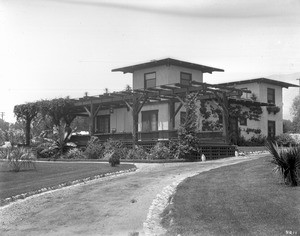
[(134, 100)]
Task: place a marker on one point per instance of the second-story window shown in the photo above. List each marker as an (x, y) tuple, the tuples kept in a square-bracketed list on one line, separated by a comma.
[(185, 78), (271, 95), (150, 80)]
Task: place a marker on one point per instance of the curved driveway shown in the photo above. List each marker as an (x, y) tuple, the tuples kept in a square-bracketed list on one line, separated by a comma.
[(110, 206)]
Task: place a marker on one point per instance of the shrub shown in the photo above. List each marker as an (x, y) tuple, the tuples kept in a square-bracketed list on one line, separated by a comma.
[(44, 150), (137, 153), (94, 149), (285, 140), (114, 159), (74, 154), (287, 162), (115, 146), (159, 151), (20, 158)]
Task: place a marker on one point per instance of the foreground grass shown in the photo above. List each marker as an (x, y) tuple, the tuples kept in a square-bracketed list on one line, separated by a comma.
[(48, 174), (243, 199)]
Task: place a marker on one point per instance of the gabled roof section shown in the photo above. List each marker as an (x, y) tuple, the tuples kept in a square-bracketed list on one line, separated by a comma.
[(167, 62), (261, 80)]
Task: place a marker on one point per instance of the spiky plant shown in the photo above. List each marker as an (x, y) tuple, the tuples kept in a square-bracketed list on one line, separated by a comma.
[(287, 162), (20, 158)]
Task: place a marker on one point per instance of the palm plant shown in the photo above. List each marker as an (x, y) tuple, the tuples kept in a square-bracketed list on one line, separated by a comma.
[(19, 158), (287, 162)]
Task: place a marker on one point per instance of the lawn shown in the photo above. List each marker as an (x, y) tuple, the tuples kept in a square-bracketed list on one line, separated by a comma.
[(242, 199), (49, 174)]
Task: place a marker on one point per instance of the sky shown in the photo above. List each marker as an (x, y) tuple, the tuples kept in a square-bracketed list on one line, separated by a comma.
[(59, 48)]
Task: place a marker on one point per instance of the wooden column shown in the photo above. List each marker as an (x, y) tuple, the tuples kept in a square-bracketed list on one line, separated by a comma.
[(225, 118), (135, 110), (171, 115), (92, 112)]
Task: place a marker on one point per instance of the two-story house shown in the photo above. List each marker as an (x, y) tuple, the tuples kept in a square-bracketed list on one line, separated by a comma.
[(154, 108), (264, 90)]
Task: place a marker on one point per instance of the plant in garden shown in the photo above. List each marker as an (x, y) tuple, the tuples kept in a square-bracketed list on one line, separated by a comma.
[(137, 153), (188, 142), (94, 149), (115, 146), (287, 162), (75, 153), (160, 151), (285, 140), (114, 159), (21, 158)]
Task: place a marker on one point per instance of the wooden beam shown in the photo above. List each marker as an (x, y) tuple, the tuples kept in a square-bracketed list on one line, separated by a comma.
[(87, 110)]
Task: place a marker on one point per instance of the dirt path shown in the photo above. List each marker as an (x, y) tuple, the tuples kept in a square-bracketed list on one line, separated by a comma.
[(112, 206)]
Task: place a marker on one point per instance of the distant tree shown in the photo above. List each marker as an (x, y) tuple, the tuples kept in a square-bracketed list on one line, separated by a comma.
[(4, 125), (295, 110), (26, 112), (287, 126)]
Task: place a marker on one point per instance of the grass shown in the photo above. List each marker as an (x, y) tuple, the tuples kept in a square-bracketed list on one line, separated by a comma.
[(242, 199), (49, 174)]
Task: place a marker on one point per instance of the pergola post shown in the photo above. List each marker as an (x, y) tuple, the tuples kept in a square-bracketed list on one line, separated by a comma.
[(171, 115), (91, 113)]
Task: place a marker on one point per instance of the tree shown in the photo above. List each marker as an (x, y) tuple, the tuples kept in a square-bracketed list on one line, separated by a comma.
[(58, 110), (188, 142), (26, 112), (295, 110)]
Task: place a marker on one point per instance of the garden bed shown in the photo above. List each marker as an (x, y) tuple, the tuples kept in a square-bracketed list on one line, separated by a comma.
[(243, 199), (51, 175)]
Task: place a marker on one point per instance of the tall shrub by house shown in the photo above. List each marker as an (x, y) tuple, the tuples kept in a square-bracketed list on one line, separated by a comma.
[(188, 142)]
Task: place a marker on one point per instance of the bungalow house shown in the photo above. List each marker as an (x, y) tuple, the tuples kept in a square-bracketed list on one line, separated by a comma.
[(154, 108)]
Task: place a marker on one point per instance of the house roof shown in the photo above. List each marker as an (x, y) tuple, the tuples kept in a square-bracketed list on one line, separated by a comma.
[(168, 62), (261, 80)]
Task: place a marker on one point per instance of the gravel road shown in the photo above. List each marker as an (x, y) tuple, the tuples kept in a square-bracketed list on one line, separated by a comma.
[(116, 205)]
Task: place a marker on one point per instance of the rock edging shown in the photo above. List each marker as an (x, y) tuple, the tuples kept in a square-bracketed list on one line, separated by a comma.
[(6, 201)]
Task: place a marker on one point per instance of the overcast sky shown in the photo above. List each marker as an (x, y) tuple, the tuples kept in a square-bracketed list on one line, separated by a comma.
[(59, 48)]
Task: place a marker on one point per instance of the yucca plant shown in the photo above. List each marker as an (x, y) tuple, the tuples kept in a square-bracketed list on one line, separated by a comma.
[(287, 162), (20, 158)]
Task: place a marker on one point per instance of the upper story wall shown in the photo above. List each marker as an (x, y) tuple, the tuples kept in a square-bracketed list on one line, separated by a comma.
[(261, 91), (164, 75)]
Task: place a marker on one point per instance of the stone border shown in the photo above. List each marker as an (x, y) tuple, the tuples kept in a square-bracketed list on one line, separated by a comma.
[(6, 201)]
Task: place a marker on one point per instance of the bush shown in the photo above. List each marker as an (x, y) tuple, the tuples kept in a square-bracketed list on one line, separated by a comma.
[(20, 158), (115, 146), (285, 140), (94, 149), (74, 154), (255, 140), (137, 153), (287, 162), (160, 151), (44, 150), (114, 159)]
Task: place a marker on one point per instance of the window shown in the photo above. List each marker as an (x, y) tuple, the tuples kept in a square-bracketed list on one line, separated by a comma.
[(271, 95), (271, 129), (245, 95), (185, 78), (182, 117), (149, 121), (103, 124), (243, 121), (150, 80)]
